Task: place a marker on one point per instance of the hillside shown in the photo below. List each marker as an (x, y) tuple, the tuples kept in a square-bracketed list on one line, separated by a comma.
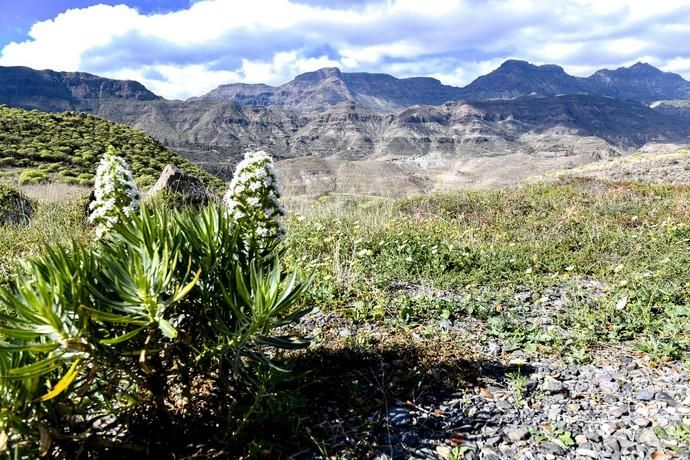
[(350, 131), (666, 164), (65, 147)]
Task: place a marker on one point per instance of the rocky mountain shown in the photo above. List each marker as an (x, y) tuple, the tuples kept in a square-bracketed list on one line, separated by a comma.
[(348, 130), (676, 108), (519, 78), (316, 91), (324, 88), (51, 91), (640, 82)]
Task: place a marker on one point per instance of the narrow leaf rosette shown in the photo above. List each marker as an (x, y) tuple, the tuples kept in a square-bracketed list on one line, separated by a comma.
[(253, 202), (116, 194)]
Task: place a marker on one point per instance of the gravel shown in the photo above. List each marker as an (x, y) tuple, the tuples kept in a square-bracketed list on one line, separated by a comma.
[(613, 407), (591, 421)]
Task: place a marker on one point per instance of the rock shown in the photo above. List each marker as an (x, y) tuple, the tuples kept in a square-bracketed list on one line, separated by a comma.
[(552, 385), (581, 439), (645, 395), (665, 397), (517, 434), (492, 441), (409, 439), (552, 448), (190, 189), (490, 454), (504, 405), (611, 387), (619, 411), (494, 348), (593, 436), (445, 324), (587, 453), (648, 436), (641, 421), (607, 429), (15, 207), (399, 417)]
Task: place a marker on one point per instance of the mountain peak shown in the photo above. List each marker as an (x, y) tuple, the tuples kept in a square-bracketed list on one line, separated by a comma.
[(642, 65), (320, 74), (511, 64)]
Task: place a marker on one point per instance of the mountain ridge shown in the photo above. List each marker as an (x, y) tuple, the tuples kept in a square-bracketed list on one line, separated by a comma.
[(514, 78), (53, 91), (323, 88)]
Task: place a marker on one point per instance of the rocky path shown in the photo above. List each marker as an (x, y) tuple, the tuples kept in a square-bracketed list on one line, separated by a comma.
[(620, 405), (613, 408)]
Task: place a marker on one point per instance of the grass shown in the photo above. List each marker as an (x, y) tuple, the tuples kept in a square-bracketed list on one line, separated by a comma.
[(51, 222), (615, 255), (555, 268)]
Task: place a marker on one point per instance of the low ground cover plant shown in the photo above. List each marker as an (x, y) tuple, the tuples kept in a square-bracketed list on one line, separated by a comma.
[(616, 255), (95, 336)]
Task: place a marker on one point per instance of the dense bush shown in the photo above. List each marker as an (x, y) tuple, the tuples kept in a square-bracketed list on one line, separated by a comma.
[(133, 323), (33, 176), (72, 142)]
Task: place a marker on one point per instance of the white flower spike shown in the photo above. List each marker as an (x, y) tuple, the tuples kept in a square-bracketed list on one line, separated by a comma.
[(253, 201), (115, 192)]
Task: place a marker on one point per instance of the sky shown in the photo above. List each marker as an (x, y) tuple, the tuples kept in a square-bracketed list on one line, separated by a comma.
[(183, 48)]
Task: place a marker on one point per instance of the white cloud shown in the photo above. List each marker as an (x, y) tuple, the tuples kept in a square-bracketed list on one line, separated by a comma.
[(221, 41)]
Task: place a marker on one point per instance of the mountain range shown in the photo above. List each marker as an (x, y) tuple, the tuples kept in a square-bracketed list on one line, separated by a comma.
[(519, 108), (326, 87)]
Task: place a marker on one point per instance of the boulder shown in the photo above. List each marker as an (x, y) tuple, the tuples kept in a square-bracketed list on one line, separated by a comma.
[(15, 207), (187, 188)]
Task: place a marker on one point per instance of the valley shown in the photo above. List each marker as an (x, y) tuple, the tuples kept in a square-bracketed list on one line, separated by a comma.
[(338, 132)]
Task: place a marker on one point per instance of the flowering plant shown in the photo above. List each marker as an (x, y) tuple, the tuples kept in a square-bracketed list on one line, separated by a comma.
[(253, 203), (115, 192)]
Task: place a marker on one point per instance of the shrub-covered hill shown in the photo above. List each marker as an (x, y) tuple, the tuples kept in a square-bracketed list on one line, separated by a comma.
[(65, 147)]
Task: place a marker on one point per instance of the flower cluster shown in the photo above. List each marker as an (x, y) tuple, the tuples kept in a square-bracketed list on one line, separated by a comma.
[(253, 201), (116, 194)]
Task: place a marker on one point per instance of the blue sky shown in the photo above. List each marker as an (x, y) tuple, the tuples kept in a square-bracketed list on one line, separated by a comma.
[(183, 48)]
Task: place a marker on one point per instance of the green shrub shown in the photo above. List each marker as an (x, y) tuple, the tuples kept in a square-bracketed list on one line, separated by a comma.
[(145, 181), (170, 199), (7, 162), (130, 323), (33, 176), (67, 172), (70, 180), (169, 285)]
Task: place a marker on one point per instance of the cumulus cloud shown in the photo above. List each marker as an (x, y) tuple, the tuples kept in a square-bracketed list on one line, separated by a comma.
[(211, 42)]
